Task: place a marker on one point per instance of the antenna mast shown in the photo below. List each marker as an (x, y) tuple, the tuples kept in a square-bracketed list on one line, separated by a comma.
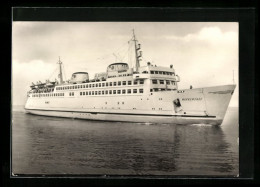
[(233, 78), (60, 75), (136, 52)]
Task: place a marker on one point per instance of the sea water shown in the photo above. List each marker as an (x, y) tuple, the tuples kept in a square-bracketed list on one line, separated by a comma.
[(52, 145)]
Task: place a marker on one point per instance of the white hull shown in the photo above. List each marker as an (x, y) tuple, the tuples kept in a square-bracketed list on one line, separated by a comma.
[(130, 118), (198, 106)]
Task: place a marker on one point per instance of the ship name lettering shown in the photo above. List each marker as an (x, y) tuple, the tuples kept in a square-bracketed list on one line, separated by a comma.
[(121, 71), (192, 99)]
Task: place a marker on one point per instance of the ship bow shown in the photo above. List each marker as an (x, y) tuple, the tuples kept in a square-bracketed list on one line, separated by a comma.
[(217, 99)]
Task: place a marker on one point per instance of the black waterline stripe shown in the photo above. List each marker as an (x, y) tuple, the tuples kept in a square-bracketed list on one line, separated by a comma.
[(165, 115)]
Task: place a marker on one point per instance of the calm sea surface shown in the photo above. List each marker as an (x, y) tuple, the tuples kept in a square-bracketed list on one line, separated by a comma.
[(50, 145)]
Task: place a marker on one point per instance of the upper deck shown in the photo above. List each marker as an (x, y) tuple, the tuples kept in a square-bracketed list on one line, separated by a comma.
[(119, 75)]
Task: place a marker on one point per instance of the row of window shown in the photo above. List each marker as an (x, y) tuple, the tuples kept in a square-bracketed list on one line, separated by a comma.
[(104, 92), (162, 72), (110, 92), (43, 90), (104, 84), (145, 72), (120, 75), (168, 82), (48, 95)]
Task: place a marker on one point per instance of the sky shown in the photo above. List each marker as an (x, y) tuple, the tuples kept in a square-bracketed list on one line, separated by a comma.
[(202, 53)]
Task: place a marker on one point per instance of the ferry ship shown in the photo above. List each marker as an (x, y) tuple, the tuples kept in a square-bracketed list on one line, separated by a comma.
[(146, 94)]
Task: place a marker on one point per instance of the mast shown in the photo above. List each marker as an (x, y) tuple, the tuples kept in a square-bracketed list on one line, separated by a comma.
[(233, 78), (137, 60), (60, 74)]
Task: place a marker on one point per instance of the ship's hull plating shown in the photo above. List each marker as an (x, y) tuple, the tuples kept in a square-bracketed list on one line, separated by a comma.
[(197, 106), (139, 118)]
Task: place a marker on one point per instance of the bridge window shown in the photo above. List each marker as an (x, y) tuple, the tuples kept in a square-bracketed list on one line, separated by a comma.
[(154, 81)]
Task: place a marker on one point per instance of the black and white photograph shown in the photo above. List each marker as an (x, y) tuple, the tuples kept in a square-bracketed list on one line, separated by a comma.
[(125, 98)]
